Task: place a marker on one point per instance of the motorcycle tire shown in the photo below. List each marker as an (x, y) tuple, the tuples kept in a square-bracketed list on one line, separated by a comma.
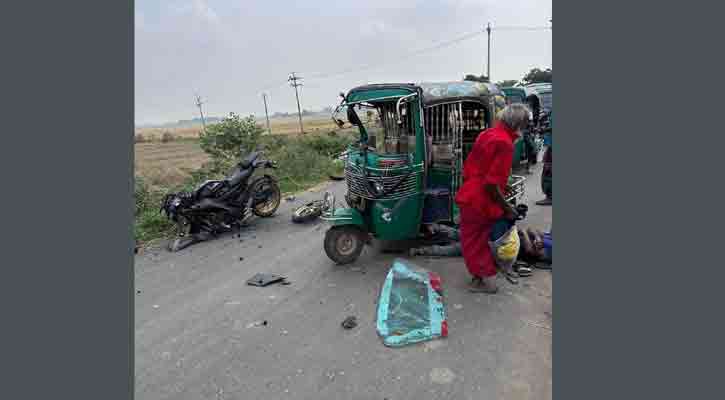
[(269, 207), (307, 213)]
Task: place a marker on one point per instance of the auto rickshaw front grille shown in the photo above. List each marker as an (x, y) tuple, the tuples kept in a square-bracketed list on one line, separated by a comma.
[(356, 184)]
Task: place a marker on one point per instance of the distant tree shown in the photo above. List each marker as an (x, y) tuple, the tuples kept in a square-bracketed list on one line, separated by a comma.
[(506, 83), (537, 75), (476, 78)]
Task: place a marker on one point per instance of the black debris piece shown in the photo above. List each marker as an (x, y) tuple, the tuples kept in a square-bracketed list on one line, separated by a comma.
[(265, 279), (349, 322)]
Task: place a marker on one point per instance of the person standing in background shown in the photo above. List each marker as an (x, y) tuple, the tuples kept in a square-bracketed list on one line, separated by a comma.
[(546, 174)]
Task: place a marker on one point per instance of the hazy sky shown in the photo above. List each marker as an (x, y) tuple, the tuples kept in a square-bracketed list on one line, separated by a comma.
[(230, 50)]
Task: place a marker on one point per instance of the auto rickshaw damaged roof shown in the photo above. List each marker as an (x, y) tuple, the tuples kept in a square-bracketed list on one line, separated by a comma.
[(433, 92)]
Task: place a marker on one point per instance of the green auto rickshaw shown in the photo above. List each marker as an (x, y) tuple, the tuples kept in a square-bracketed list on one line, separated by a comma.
[(405, 170)]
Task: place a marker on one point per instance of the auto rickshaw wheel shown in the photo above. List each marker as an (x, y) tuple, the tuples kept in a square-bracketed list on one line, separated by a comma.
[(343, 244)]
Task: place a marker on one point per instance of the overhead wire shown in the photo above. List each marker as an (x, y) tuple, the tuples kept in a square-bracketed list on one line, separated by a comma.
[(405, 56)]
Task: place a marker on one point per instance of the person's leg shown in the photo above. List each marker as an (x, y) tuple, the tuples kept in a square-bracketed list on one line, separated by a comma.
[(475, 232), (452, 250)]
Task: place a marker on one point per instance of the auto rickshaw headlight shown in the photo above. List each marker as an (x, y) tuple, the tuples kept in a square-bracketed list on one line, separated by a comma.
[(329, 203)]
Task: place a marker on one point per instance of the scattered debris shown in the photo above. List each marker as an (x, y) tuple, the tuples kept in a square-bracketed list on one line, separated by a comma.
[(257, 324), (265, 279), (349, 322), (458, 306)]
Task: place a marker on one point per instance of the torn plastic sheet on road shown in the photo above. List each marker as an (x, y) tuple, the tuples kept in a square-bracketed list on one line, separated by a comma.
[(410, 308)]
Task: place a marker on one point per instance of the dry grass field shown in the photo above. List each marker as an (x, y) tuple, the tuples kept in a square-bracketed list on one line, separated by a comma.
[(280, 125), (166, 164)]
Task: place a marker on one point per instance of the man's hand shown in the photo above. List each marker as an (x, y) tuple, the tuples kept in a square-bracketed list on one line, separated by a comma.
[(508, 210)]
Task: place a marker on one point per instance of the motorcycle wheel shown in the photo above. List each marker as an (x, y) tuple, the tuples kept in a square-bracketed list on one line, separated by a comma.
[(268, 207), (307, 212)]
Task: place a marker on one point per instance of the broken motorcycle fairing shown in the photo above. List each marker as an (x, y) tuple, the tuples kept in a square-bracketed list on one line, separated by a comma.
[(411, 309)]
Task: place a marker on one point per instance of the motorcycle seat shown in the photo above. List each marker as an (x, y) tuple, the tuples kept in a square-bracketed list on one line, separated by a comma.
[(249, 160)]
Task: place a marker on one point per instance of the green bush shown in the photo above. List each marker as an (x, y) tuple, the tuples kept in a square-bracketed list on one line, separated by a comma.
[(328, 145), (231, 138)]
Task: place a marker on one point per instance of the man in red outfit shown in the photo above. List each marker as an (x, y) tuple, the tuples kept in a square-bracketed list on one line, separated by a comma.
[(481, 201)]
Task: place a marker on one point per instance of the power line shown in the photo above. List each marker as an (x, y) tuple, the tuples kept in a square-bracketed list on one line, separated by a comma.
[(405, 56), (437, 46), (521, 28)]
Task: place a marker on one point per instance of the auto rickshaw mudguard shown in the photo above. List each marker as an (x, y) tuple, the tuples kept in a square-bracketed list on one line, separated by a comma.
[(345, 216)]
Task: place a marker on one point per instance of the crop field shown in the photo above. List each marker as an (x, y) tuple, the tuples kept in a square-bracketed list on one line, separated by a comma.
[(280, 125)]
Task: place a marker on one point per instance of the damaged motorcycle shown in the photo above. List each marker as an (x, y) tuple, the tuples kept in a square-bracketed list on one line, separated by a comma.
[(219, 206)]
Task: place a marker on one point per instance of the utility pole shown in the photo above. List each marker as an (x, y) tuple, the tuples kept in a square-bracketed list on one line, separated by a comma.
[(198, 104), (488, 59), (293, 82), (266, 113)]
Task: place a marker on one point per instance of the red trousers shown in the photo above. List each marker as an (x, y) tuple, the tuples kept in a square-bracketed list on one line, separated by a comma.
[(475, 231)]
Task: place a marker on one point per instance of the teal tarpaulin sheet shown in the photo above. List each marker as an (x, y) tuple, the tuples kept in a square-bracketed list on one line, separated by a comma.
[(411, 307)]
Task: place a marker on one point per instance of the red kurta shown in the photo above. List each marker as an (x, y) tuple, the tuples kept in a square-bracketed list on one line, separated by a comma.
[(488, 163)]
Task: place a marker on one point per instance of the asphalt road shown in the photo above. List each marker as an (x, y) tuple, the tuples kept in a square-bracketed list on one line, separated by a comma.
[(195, 335)]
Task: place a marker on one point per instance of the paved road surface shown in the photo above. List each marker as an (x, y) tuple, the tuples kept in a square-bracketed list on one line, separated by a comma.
[(194, 338)]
